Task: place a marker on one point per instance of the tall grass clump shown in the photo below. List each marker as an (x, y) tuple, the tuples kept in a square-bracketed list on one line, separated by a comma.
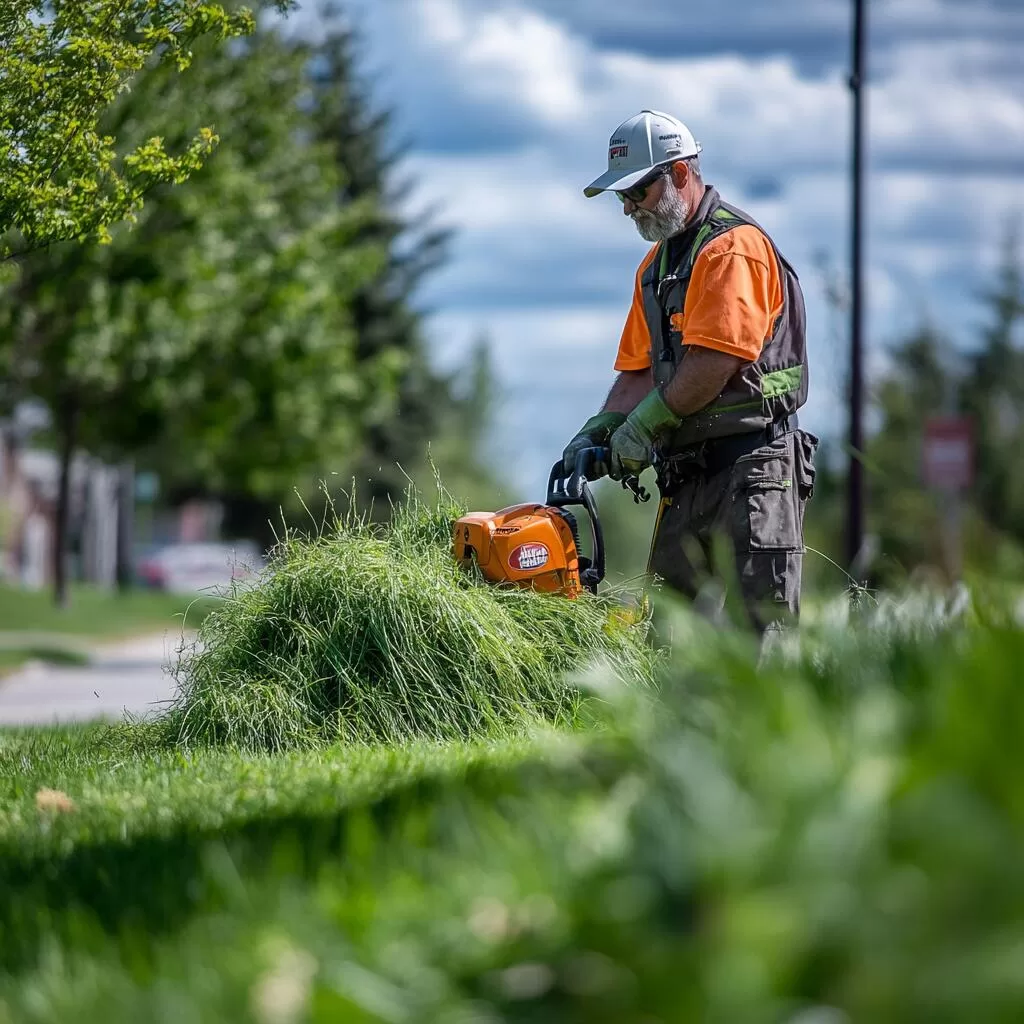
[(369, 632)]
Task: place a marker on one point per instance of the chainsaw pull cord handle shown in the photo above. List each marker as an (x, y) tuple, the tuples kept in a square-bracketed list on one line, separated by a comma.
[(573, 490)]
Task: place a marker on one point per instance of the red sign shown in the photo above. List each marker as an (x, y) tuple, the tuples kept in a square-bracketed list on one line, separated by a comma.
[(948, 456)]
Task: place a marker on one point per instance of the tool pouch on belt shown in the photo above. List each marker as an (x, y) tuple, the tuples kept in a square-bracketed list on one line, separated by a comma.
[(675, 469)]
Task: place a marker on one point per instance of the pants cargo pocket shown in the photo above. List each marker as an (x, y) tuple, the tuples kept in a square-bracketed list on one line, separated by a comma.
[(766, 498), (804, 447), (770, 582)]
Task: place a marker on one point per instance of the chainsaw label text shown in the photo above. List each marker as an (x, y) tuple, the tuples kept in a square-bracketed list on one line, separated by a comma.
[(528, 556)]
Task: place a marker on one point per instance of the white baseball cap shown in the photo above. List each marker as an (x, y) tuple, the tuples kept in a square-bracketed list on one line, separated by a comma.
[(639, 145)]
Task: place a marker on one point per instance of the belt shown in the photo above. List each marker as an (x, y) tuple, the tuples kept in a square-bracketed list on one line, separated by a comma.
[(710, 457)]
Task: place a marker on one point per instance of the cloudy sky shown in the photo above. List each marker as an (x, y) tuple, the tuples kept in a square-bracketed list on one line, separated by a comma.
[(507, 105)]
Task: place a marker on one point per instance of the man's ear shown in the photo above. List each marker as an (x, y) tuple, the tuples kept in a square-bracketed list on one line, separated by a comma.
[(680, 173)]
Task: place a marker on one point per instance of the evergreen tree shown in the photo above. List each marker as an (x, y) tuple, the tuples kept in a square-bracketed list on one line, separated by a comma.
[(993, 395), (922, 382), (449, 413), (986, 383)]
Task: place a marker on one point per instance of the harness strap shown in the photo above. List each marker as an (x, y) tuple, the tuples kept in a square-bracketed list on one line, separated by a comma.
[(709, 224)]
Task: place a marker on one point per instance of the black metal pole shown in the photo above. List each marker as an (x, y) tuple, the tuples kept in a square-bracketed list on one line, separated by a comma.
[(855, 485)]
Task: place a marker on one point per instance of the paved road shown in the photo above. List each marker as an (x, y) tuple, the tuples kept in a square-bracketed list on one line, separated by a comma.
[(130, 676)]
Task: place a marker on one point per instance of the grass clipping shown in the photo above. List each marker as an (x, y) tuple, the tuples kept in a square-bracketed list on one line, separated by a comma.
[(373, 633)]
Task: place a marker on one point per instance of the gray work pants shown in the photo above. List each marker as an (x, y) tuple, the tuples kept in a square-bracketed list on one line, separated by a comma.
[(740, 529)]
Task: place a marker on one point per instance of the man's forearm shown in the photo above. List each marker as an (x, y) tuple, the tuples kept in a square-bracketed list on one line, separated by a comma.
[(699, 380), (629, 388)]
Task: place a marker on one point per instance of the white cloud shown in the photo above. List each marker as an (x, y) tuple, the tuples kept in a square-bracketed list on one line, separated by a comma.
[(939, 103), (509, 52), (935, 101), (815, 31), (742, 110)]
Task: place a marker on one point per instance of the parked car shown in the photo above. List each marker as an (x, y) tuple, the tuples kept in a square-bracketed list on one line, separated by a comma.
[(209, 567)]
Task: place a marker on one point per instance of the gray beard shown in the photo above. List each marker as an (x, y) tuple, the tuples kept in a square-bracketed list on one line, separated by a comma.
[(668, 217)]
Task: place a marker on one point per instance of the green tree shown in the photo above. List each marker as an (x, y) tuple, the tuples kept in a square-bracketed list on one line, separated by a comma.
[(922, 381), (450, 413), (985, 382), (63, 63), (993, 395), (257, 331), (213, 342)]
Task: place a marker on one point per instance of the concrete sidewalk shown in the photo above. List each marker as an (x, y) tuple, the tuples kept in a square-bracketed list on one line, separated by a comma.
[(129, 676)]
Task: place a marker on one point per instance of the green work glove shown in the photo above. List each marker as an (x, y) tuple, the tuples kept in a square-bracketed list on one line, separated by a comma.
[(594, 433), (633, 443)]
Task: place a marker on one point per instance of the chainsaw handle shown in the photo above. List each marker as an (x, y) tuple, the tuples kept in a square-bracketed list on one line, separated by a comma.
[(591, 464), (574, 490)]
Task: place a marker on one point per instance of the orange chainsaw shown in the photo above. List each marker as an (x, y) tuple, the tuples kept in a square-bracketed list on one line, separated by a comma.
[(538, 546)]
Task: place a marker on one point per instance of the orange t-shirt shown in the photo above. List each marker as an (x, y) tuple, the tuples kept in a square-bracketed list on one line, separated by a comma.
[(732, 300)]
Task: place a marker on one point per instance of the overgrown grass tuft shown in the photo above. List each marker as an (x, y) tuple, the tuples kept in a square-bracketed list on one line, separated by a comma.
[(372, 633)]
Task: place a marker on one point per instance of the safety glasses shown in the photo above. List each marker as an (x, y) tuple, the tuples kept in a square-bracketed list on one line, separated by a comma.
[(638, 193)]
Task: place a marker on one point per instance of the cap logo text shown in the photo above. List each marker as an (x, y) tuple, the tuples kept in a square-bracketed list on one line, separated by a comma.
[(617, 151)]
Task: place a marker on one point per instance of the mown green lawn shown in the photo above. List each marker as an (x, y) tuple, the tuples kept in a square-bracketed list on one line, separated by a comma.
[(32, 627), (126, 787), (114, 846), (97, 612)]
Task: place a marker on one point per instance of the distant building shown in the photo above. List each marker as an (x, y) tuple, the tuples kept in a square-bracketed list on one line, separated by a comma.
[(27, 514), (29, 481)]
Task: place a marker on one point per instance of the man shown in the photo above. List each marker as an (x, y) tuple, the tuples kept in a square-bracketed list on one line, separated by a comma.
[(711, 370)]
